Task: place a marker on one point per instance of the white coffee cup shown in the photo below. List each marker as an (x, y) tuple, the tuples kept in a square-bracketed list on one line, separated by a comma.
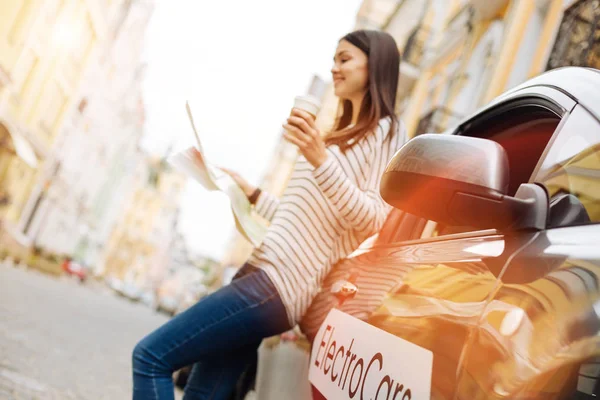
[(308, 103)]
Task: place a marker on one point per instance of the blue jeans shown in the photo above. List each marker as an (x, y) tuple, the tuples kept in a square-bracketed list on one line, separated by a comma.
[(219, 335)]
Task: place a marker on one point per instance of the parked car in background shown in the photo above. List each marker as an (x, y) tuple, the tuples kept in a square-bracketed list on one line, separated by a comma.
[(75, 269), (148, 297), (127, 287), (114, 283), (131, 290), (484, 282)]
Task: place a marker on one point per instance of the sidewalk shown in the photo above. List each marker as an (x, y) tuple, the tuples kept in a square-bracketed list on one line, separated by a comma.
[(16, 386)]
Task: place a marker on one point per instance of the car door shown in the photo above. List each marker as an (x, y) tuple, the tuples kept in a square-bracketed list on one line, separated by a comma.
[(538, 336)]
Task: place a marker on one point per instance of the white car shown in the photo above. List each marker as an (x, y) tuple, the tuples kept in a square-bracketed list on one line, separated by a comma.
[(484, 282)]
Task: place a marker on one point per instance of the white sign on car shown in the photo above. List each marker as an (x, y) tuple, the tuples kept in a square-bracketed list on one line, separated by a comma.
[(352, 359)]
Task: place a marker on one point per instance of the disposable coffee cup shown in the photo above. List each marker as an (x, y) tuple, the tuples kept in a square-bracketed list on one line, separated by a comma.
[(311, 105), (308, 103)]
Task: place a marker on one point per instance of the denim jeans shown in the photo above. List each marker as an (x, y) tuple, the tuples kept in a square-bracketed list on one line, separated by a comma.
[(219, 335)]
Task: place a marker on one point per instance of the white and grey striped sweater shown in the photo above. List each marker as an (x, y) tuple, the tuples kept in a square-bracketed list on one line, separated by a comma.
[(323, 216)]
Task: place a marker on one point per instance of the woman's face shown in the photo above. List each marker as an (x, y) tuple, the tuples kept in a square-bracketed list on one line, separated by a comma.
[(350, 71)]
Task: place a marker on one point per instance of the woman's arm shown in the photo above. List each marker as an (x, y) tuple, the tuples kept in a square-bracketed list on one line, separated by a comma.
[(363, 210), (360, 209), (266, 205)]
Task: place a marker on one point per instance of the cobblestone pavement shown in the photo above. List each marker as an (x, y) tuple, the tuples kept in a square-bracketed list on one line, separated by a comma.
[(63, 340)]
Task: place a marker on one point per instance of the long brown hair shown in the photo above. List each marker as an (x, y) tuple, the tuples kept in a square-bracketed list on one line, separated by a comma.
[(380, 98)]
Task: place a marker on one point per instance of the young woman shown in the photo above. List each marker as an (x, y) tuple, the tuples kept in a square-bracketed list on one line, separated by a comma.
[(330, 206)]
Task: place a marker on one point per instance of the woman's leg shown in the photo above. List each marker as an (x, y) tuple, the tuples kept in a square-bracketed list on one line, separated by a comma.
[(231, 319), (220, 370), (223, 373)]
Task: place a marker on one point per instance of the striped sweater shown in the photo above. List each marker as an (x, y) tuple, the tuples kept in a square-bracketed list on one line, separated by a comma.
[(323, 216)]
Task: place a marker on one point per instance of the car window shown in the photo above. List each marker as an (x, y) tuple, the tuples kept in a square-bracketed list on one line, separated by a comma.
[(524, 132), (571, 171)]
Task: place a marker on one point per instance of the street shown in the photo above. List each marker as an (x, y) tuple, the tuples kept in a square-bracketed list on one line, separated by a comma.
[(63, 340)]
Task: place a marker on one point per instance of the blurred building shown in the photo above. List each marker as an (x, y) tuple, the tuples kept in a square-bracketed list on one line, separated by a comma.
[(46, 51), (45, 48), (75, 212), (181, 257), (61, 61), (463, 53), (139, 248), (373, 14)]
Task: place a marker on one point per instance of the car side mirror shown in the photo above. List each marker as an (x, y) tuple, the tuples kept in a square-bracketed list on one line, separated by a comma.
[(461, 181)]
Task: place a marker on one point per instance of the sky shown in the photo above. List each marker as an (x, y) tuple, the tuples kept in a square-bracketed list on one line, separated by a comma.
[(240, 64)]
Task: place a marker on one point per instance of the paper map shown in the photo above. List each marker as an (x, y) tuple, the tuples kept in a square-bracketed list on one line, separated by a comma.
[(193, 162)]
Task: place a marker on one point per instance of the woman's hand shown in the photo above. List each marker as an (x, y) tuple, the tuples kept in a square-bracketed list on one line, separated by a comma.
[(247, 188), (301, 130)]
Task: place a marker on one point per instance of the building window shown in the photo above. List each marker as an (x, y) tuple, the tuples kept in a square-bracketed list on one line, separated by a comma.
[(153, 177), (30, 66), (53, 10), (437, 120), (5, 78), (22, 21), (53, 105), (578, 39), (85, 41), (82, 105)]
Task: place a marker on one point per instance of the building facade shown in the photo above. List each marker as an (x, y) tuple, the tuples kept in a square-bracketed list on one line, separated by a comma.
[(45, 49), (139, 248), (71, 114), (473, 50), (98, 150), (457, 55)]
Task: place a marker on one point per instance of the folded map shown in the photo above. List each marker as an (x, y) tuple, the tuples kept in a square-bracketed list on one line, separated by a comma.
[(193, 162)]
